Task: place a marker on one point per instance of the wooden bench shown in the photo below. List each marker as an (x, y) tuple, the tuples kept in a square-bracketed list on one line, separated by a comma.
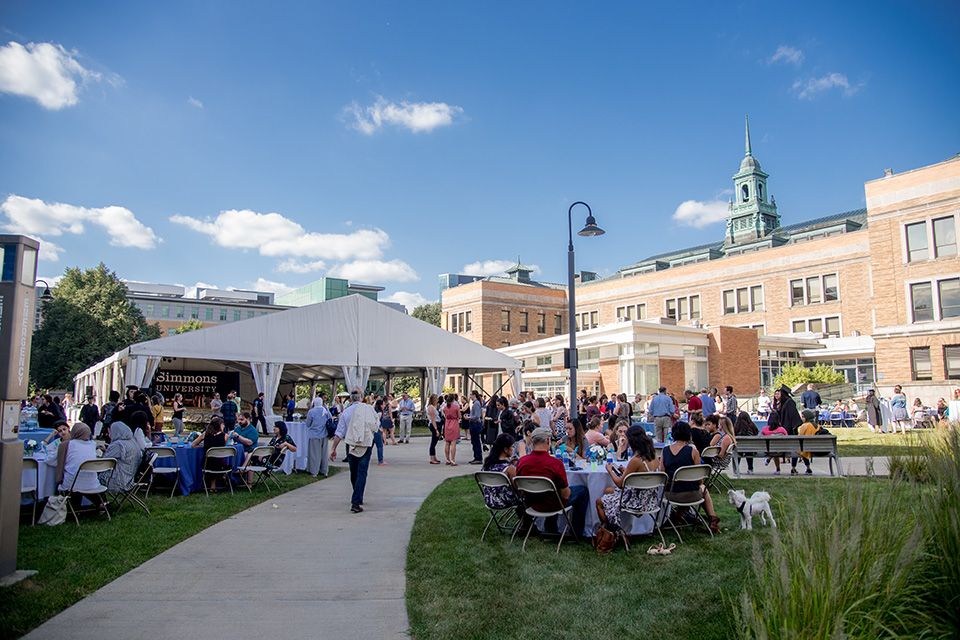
[(771, 446)]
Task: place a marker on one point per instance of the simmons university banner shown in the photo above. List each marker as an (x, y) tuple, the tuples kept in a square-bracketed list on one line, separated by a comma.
[(194, 384)]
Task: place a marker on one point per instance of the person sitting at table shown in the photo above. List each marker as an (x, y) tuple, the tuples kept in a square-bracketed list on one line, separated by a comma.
[(140, 426), (499, 460), (593, 433), (681, 454), (525, 446), (61, 431), (643, 460), (128, 455), (919, 414), (245, 434), (281, 441), (77, 449), (212, 436), (838, 408), (943, 411), (721, 435), (619, 439), (575, 440), (773, 428), (746, 427), (700, 436), (540, 463)]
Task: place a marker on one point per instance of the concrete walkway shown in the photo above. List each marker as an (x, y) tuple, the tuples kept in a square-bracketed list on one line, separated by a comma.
[(297, 566)]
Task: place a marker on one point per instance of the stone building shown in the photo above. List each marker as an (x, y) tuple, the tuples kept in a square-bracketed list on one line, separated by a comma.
[(873, 292)]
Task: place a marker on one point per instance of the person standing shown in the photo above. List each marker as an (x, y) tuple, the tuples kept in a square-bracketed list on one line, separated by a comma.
[(229, 410), (291, 406), (89, 413), (259, 414), (406, 408), (898, 405), (730, 406), (435, 424), (763, 404), (451, 429), (107, 412), (873, 410), (694, 404), (810, 399), (216, 403), (707, 404), (357, 424), (663, 411), (476, 426), (177, 418), (317, 441), (786, 410)]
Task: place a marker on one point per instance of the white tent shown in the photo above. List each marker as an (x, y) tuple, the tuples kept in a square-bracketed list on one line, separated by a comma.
[(350, 339)]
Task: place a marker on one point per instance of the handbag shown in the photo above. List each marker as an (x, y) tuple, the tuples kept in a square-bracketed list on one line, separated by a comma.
[(604, 540), (55, 511)]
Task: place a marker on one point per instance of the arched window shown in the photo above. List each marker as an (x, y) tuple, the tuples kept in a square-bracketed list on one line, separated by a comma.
[(746, 193)]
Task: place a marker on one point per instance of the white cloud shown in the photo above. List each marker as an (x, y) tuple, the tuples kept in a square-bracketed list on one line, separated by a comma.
[(296, 266), (45, 72), (269, 285), (48, 250), (410, 300), (694, 213), (33, 217), (814, 86), (195, 102), (375, 271), (415, 116), (274, 235), (787, 55), (493, 267)]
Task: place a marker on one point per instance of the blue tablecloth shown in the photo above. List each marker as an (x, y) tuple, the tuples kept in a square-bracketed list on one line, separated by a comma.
[(190, 459), (35, 434)]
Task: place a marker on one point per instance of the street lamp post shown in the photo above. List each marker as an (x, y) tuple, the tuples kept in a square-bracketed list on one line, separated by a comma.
[(589, 229)]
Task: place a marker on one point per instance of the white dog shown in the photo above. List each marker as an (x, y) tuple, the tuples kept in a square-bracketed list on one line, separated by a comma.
[(759, 503)]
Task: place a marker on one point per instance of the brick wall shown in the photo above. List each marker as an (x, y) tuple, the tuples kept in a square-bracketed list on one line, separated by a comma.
[(733, 355), (672, 375)]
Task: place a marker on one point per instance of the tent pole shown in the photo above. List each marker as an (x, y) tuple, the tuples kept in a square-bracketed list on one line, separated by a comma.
[(313, 392), (423, 388)]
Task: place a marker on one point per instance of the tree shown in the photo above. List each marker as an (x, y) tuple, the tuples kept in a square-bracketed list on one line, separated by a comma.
[(88, 319), (190, 325), (795, 373), (428, 313)]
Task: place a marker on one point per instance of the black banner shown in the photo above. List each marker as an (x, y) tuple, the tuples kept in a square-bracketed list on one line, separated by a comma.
[(196, 384)]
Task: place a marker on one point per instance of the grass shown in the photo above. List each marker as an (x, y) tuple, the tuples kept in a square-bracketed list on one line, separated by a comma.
[(458, 587), (74, 561), (860, 441)]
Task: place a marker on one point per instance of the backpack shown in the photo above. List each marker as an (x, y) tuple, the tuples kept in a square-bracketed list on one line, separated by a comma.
[(331, 427)]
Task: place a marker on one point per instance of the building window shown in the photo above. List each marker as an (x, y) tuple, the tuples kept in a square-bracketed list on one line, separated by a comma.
[(921, 299), (149, 310), (587, 320), (951, 361), (920, 363), (541, 323), (944, 237), (454, 323), (829, 325), (588, 359), (544, 363), (916, 241), (814, 290), (468, 321), (557, 324), (949, 298), (250, 314), (236, 315), (683, 308), (504, 321), (523, 322), (209, 315), (223, 315), (179, 311), (195, 313), (743, 300), (165, 311), (632, 312)]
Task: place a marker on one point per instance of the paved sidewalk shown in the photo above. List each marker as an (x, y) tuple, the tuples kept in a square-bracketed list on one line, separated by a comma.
[(852, 466), (306, 568)]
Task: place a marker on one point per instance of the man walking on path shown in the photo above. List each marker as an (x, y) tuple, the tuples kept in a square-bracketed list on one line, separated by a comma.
[(259, 414), (317, 440), (356, 428), (663, 411), (406, 408)]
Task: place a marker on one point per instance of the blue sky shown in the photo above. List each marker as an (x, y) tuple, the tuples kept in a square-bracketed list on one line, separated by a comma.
[(241, 144)]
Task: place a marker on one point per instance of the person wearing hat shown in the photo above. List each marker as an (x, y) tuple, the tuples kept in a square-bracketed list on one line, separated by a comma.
[(89, 413), (808, 428), (539, 462)]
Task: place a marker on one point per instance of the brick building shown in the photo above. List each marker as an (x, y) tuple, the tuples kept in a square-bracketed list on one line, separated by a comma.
[(873, 292)]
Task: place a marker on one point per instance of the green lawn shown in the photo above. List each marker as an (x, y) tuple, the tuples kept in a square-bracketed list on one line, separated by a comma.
[(458, 587), (860, 441), (74, 561)]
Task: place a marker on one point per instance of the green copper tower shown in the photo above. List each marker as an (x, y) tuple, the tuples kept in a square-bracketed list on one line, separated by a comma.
[(750, 217)]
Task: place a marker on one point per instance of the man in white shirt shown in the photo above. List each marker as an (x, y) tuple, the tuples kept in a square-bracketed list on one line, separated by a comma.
[(763, 404), (406, 409), (356, 427)]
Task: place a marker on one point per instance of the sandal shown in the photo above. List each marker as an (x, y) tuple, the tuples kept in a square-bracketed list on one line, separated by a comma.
[(666, 552), (434, 462), (655, 550)]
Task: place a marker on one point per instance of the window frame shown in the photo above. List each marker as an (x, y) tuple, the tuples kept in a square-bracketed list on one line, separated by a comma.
[(751, 292), (936, 302), (933, 250), (804, 282), (823, 324), (504, 320), (524, 325), (691, 301), (914, 371), (946, 362)]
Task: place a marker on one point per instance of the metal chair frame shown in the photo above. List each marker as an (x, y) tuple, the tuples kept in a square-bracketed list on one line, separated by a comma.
[(28, 465), (164, 452), (261, 471), (644, 480), (94, 466), (130, 495), (218, 453), (537, 485), (502, 517), (689, 473)]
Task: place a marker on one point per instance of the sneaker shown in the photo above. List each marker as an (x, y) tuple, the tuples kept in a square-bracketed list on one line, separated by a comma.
[(766, 462), (777, 472), (476, 462), (809, 471), (793, 471), (381, 464), (355, 508), (749, 472)]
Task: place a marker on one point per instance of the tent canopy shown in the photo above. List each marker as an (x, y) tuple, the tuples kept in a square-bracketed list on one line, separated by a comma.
[(320, 342)]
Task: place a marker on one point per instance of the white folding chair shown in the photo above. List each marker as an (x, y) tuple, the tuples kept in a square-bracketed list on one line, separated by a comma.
[(220, 455), (130, 495), (256, 463), (529, 486), (164, 453), (711, 456), (507, 519), (94, 467), (690, 473), (644, 481), (30, 483)]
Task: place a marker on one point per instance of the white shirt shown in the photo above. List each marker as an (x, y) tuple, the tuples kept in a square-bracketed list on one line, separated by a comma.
[(763, 403)]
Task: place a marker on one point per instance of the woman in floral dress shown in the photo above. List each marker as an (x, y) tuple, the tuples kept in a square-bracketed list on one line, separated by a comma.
[(644, 459)]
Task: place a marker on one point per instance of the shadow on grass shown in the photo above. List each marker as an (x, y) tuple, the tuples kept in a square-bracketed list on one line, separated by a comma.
[(74, 561), (458, 587)]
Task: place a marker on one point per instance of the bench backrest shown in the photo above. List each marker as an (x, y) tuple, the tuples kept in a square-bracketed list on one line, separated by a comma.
[(786, 444)]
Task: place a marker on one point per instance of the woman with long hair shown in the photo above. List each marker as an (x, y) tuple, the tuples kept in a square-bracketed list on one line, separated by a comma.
[(681, 454), (643, 460), (746, 427), (451, 429), (559, 417), (433, 421), (499, 460), (575, 440), (178, 410), (387, 424)]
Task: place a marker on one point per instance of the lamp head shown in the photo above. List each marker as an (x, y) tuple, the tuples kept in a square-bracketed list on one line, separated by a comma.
[(46, 295), (591, 228)]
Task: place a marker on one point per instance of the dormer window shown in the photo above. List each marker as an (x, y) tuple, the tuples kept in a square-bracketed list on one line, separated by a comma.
[(746, 193)]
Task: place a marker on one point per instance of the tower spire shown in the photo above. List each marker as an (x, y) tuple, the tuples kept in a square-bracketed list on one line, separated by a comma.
[(749, 150)]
